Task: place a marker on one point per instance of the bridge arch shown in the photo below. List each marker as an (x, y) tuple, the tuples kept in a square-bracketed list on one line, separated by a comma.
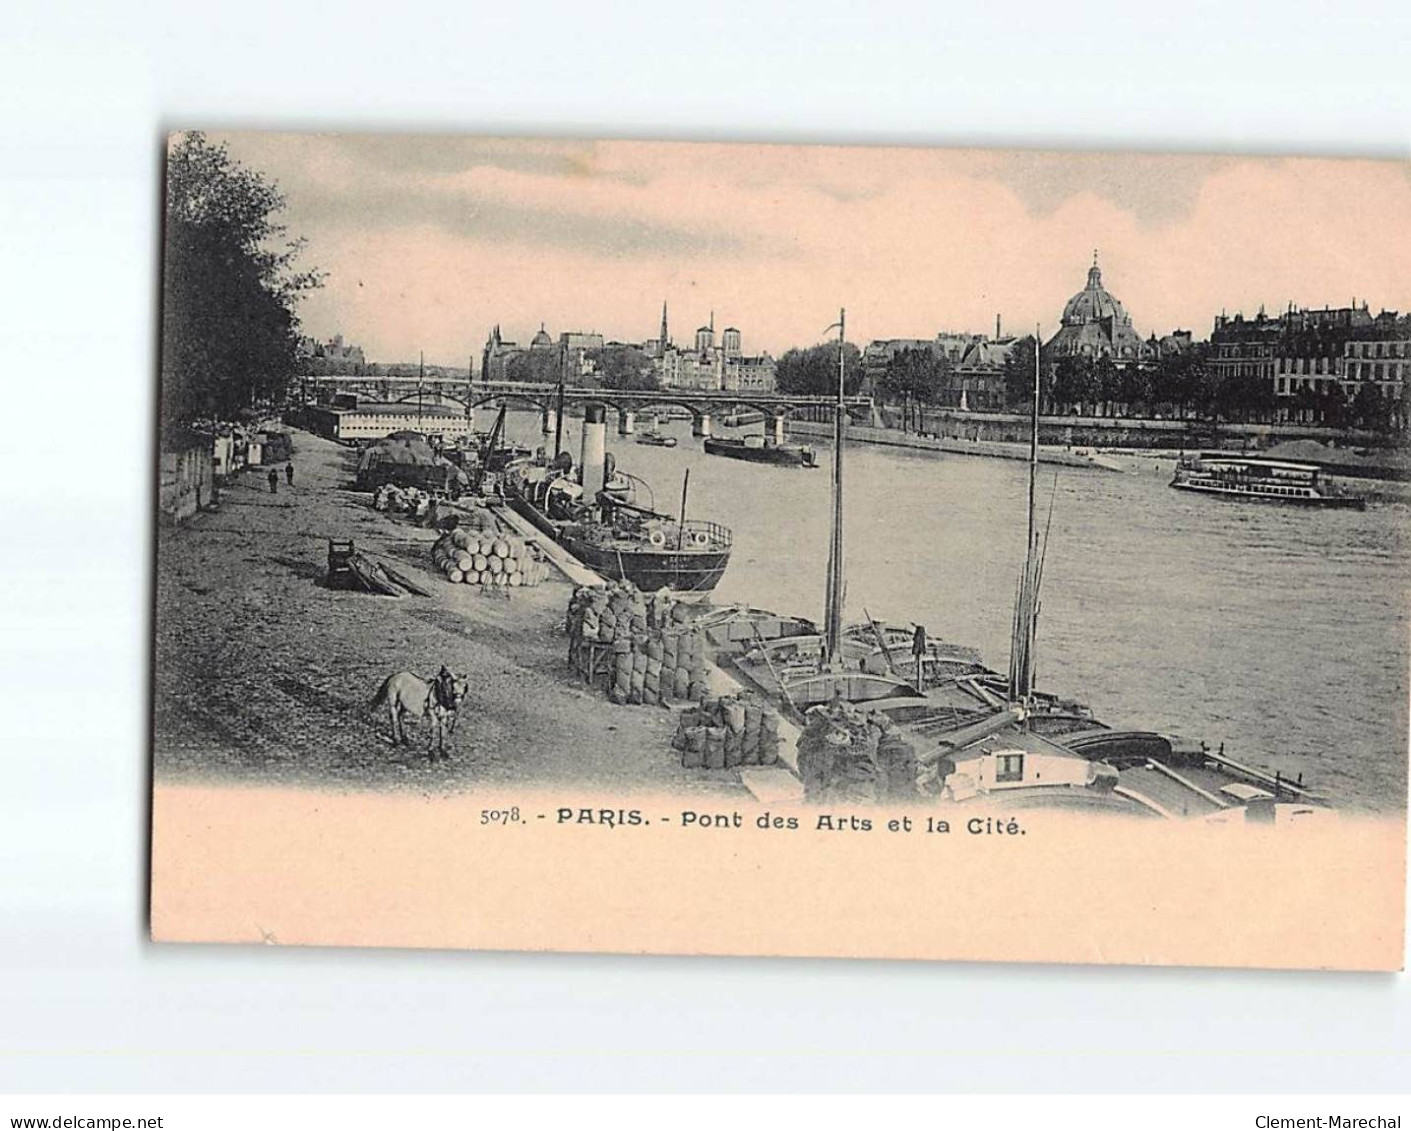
[(476, 401)]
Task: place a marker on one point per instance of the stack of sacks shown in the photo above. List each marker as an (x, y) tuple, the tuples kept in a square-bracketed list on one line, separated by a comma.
[(656, 658), (489, 559), (896, 758), (724, 733), (846, 756)]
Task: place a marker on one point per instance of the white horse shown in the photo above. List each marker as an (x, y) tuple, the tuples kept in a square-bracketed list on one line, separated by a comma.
[(438, 699)]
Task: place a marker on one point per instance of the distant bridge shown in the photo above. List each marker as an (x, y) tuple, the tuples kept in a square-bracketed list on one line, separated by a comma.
[(704, 405)]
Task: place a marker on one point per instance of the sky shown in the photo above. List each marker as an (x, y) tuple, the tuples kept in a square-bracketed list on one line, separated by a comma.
[(428, 241)]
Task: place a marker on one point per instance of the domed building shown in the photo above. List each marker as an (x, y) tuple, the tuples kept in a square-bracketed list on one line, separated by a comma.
[(541, 340), (1096, 325)]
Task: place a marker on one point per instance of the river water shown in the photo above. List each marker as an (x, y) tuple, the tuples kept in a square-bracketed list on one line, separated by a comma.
[(1280, 632)]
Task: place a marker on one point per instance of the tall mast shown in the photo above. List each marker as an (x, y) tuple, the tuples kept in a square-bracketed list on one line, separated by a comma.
[(420, 376), (1033, 443), (558, 420), (834, 628), (1026, 605)]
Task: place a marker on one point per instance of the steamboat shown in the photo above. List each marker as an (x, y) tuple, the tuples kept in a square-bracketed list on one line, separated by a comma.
[(1262, 480), (608, 519)]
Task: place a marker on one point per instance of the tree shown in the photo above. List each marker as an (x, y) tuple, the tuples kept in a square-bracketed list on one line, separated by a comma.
[(1183, 380), (917, 377), (1106, 383), (1019, 376), (1332, 405), (625, 367), (538, 366), (814, 371), (1134, 388), (1074, 383), (1369, 408), (229, 287)]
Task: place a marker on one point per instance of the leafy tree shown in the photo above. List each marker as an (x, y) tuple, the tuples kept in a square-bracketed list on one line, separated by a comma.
[(1106, 383), (1180, 379), (1134, 388), (1332, 405), (1019, 376), (1074, 382), (814, 371), (919, 374), (229, 287), (1369, 408), (540, 366), (625, 367)]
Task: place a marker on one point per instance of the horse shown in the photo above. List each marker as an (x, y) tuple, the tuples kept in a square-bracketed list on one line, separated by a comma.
[(438, 699)]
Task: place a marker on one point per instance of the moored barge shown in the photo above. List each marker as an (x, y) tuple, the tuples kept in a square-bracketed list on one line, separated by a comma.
[(759, 449)]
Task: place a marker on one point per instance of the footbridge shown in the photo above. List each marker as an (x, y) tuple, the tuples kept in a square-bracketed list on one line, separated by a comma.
[(707, 407)]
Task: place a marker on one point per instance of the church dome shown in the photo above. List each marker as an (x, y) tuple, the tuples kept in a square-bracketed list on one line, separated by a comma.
[(1093, 303), (541, 340)]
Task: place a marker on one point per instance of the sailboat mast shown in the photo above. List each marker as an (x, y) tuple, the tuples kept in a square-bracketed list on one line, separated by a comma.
[(835, 552), (1034, 443), (558, 421)]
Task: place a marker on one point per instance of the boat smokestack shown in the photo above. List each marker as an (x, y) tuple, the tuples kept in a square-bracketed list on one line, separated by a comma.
[(592, 457)]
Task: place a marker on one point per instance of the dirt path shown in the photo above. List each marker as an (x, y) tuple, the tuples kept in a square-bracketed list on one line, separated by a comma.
[(264, 674)]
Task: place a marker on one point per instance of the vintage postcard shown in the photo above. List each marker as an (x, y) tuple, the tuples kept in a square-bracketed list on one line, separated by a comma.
[(782, 550)]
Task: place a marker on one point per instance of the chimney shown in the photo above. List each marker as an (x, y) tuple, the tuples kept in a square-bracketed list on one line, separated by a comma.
[(592, 456), (998, 335)]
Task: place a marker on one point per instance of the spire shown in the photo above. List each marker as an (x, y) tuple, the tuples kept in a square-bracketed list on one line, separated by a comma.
[(664, 336)]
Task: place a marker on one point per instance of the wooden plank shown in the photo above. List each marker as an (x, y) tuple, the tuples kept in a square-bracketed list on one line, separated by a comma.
[(574, 570)]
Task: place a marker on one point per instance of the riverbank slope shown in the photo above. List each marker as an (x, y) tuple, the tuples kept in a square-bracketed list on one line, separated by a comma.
[(263, 674)]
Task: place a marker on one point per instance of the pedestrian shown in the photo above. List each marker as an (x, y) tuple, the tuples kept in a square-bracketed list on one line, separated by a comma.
[(273, 481), (289, 473)]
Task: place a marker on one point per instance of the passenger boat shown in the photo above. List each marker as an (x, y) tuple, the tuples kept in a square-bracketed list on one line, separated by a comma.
[(1263, 480), (616, 530), (657, 439), (760, 449)]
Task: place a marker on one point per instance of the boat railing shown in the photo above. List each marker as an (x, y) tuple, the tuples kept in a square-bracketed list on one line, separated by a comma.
[(719, 536)]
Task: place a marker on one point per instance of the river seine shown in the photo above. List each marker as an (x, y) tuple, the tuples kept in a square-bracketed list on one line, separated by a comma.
[(1277, 631)]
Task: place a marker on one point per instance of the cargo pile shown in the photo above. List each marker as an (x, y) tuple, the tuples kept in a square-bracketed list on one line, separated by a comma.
[(846, 756), (401, 500), (488, 558), (724, 733), (645, 647), (649, 650)]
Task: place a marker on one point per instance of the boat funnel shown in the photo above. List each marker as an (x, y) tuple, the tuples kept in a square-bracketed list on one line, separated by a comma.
[(590, 462)]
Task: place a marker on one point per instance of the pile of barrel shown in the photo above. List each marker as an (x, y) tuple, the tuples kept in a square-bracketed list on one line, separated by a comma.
[(656, 655), (727, 732), (489, 558), (846, 756)]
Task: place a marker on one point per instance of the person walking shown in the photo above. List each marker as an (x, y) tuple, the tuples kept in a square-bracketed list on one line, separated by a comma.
[(289, 473), (273, 481)]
